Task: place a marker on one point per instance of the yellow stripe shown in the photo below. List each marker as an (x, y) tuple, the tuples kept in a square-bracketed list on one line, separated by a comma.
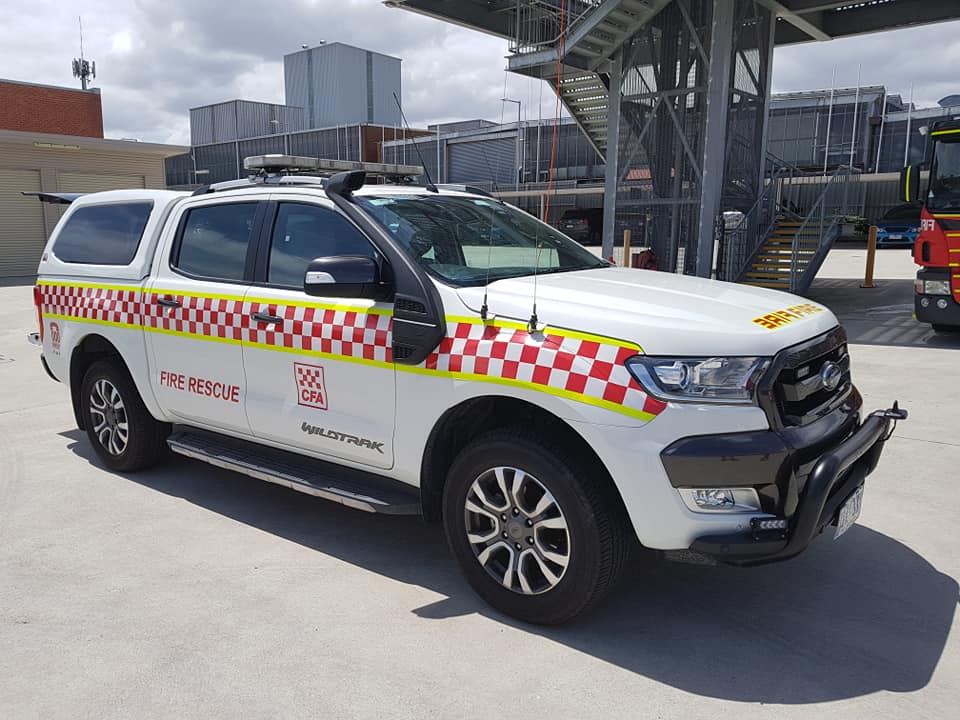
[(935, 133), (953, 265), (220, 296), (469, 377), (946, 216), (906, 185), (956, 250), (548, 330)]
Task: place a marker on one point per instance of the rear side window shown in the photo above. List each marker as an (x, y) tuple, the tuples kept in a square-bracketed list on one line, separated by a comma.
[(215, 239), (103, 234)]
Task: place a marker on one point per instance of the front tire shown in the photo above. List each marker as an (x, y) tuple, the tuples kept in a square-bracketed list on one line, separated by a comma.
[(537, 534), (124, 434)]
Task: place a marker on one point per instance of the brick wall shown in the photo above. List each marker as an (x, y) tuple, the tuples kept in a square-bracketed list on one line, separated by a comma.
[(42, 109)]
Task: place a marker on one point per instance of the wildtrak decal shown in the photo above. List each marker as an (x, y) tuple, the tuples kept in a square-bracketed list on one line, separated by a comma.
[(342, 437), (771, 321)]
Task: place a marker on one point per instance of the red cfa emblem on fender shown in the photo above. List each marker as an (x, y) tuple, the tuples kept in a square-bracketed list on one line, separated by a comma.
[(311, 391), (55, 337)]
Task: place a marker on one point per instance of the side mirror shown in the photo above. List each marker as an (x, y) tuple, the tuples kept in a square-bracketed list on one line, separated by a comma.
[(910, 183), (345, 276)]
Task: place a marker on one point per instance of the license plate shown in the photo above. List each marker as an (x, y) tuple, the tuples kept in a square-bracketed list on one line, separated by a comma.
[(849, 512), (894, 237)]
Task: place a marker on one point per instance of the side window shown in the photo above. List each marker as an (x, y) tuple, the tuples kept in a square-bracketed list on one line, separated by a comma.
[(103, 234), (303, 233), (215, 240)]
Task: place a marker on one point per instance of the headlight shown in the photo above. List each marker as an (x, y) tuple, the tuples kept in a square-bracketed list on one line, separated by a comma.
[(933, 287), (720, 379)]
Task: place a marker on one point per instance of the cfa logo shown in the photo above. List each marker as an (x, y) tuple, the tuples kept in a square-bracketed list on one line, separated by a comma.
[(928, 224), (311, 391), (55, 338)]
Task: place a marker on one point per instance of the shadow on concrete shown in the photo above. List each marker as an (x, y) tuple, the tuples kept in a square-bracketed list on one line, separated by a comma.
[(882, 315), (844, 619)]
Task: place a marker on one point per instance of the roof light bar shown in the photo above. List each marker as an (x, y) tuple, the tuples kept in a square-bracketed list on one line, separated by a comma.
[(286, 164)]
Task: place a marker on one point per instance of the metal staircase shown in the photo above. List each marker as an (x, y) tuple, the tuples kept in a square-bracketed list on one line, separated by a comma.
[(790, 253), (593, 31)]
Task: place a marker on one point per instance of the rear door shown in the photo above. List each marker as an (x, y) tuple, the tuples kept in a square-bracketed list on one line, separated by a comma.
[(319, 370), (195, 312)]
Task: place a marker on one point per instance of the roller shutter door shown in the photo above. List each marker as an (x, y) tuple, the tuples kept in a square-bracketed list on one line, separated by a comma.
[(22, 235), (89, 182), (482, 161)]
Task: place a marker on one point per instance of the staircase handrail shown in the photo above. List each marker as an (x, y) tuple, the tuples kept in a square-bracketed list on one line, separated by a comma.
[(818, 211), (524, 44)]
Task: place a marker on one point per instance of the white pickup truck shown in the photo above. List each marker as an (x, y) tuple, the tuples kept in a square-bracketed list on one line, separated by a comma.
[(424, 350)]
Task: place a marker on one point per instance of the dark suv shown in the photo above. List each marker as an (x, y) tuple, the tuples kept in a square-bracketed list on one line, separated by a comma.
[(585, 225)]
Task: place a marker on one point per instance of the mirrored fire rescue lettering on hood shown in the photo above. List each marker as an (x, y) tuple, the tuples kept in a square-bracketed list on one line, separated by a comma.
[(342, 437), (778, 318)]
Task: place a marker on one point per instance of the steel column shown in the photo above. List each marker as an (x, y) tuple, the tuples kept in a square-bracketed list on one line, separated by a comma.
[(715, 136), (612, 176)]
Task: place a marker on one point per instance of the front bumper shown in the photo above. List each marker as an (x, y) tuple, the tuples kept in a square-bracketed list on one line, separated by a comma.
[(835, 476), (927, 308)]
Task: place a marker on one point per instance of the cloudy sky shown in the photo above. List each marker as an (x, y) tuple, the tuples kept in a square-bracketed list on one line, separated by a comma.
[(157, 58)]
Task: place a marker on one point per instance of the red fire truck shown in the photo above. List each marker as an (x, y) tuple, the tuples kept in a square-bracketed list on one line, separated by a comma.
[(937, 249)]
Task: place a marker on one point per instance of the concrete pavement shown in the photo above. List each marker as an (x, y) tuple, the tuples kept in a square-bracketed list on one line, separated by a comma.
[(191, 592)]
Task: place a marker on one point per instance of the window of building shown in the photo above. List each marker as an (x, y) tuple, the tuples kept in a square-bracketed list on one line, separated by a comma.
[(303, 233), (215, 240), (103, 234)]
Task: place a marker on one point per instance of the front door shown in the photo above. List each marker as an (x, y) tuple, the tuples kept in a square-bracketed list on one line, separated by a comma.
[(194, 313), (320, 376)]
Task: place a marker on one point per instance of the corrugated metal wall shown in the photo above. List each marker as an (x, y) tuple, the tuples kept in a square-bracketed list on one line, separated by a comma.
[(331, 83), (240, 119), (386, 81), (296, 83), (491, 160), (25, 223)]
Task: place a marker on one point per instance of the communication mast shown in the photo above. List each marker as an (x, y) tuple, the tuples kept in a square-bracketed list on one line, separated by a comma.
[(83, 69)]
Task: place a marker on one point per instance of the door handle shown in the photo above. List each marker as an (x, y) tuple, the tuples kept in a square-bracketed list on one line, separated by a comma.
[(169, 302), (266, 317)]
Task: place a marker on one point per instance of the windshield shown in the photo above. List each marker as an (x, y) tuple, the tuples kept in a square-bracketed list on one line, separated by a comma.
[(945, 177), (469, 241)]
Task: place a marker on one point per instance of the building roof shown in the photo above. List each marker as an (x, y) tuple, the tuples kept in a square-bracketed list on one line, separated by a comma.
[(342, 44), (88, 91), (78, 142)]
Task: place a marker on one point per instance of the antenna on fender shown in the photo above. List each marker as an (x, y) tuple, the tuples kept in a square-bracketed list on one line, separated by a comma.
[(430, 186)]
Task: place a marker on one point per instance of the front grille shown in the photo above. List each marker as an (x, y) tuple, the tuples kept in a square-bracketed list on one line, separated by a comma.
[(799, 391)]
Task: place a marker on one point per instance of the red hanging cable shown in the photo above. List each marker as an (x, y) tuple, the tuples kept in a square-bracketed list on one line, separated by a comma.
[(556, 114)]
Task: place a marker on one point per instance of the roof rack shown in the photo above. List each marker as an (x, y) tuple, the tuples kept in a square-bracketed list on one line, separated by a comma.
[(275, 169)]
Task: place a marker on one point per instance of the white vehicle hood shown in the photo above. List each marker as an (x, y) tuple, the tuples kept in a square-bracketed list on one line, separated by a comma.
[(664, 313)]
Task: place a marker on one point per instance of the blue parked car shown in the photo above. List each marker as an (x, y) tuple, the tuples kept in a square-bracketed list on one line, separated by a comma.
[(899, 226)]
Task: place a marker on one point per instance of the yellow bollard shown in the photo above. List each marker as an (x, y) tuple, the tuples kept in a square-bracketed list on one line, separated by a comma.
[(626, 247), (871, 257)]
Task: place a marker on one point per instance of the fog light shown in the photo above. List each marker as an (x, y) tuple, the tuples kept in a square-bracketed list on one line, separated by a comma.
[(925, 302), (761, 524), (942, 304), (712, 500)]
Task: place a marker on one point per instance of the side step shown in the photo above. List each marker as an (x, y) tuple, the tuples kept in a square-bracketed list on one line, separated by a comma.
[(353, 488)]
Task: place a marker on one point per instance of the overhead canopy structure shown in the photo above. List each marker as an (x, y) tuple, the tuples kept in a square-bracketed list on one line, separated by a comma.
[(799, 20), (679, 89)]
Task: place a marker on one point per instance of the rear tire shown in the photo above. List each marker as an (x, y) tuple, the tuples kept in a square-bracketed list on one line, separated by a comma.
[(548, 537), (124, 434)]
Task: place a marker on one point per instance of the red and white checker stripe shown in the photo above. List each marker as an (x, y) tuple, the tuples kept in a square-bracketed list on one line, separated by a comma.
[(582, 367), (590, 368)]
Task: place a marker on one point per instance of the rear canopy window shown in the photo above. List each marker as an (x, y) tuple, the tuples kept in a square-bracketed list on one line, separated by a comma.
[(103, 234)]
